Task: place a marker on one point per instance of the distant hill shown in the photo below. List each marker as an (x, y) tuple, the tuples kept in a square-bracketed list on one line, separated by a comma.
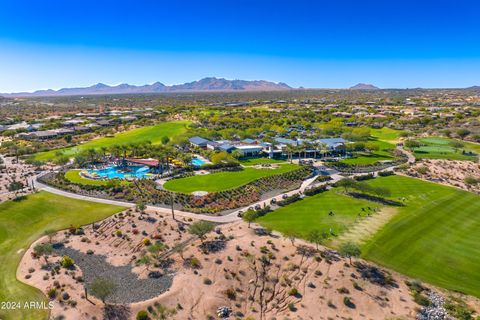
[(206, 84), (364, 86), (473, 88)]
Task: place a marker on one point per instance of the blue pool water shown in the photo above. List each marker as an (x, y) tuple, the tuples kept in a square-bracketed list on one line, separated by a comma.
[(113, 172), (197, 162)]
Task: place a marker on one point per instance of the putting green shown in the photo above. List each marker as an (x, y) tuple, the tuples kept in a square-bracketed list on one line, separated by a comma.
[(23, 222), (439, 148), (154, 134), (221, 181)]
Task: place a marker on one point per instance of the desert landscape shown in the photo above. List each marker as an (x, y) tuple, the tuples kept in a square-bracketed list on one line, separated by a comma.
[(155, 265), (232, 160), (455, 173)]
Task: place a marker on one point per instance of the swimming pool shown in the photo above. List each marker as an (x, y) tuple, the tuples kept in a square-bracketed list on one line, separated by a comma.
[(198, 162), (119, 172)]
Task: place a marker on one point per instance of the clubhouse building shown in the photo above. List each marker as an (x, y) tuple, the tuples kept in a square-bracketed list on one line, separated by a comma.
[(279, 148)]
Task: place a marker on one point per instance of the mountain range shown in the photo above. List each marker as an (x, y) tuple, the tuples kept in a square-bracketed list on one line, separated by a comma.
[(203, 85), (364, 86)]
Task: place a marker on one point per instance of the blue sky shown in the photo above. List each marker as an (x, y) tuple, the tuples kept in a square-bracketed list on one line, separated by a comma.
[(54, 44)]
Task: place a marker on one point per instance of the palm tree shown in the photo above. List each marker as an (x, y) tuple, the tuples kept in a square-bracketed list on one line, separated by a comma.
[(323, 149), (92, 155), (170, 152), (236, 154), (289, 149), (104, 149), (123, 150), (160, 154), (306, 146), (298, 149), (115, 150)]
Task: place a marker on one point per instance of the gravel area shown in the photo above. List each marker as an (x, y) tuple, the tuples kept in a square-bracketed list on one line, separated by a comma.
[(436, 310), (129, 288)]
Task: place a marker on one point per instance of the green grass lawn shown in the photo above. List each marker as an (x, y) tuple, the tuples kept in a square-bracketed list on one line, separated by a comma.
[(366, 158), (386, 134), (153, 134), (255, 161), (435, 237), (312, 213), (23, 222), (223, 180), (439, 148), (75, 177)]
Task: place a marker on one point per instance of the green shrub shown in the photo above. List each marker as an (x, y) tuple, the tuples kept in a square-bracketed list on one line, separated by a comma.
[(343, 290), (293, 291), (194, 263), (421, 299), (142, 315), (67, 262), (348, 302), (52, 293)]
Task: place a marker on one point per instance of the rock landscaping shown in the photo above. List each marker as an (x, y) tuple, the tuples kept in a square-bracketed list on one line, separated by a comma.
[(129, 287)]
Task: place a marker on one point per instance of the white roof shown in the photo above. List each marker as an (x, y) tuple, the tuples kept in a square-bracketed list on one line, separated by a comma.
[(246, 147)]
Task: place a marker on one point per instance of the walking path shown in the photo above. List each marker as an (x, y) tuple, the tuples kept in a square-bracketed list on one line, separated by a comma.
[(410, 156), (231, 217)]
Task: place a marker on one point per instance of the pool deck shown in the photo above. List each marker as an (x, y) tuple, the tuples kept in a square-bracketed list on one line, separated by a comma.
[(112, 172)]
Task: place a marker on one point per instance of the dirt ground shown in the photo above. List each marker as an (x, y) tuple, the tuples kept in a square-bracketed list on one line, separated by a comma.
[(448, 172), (10, 171), (255, 276)]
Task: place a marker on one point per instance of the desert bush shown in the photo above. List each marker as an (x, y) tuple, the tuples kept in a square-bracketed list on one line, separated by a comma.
[(67, 262), (348, 302), (343, 290), (231, 294), (293, 291), (142, 315), (52, 293)]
